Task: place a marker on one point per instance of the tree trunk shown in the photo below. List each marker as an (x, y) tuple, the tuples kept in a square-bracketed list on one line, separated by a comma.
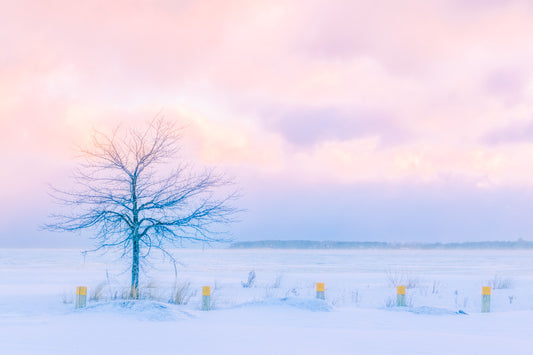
[(135, 270)]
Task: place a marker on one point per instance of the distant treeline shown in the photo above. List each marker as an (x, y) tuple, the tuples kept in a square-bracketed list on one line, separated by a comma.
[(308, 244)]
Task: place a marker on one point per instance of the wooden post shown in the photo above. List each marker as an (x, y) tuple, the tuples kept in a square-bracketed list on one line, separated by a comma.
[(206, 298), (81, 296), (400, 297), (485, 299), (320, 291)]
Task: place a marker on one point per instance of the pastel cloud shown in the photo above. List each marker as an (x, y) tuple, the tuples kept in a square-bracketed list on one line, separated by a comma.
[(306, 126), (516, 133), (334, 92), (507, 83)]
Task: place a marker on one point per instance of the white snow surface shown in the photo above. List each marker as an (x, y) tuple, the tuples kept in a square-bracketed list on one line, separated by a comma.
[(279, 314)]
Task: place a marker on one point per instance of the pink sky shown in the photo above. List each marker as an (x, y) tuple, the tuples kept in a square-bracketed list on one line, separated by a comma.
[(337, 94)]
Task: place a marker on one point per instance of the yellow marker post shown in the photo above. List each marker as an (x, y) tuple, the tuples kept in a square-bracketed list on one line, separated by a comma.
[(485, 299), (320, 291), (206, 298), (81, 296), (400, 297)]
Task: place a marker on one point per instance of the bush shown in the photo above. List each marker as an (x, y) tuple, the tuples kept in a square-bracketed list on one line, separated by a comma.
[(97, 293), (182, 293), (499, 282), (401, 278), (251, 280)]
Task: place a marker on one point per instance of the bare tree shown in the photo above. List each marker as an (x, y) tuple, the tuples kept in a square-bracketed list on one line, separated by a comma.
[(122, 194)]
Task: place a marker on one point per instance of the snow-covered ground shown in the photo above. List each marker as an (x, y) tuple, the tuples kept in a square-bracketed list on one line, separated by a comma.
[(279, 313)]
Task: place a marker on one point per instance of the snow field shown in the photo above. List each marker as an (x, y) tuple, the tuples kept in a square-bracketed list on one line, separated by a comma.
[(278, 314)]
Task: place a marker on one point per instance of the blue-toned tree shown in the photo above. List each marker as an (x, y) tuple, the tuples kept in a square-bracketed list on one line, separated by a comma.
[(131, 190)]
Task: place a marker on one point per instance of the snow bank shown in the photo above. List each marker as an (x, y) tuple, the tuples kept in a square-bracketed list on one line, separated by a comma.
[(426, 310), (308, 304), (141, 310)]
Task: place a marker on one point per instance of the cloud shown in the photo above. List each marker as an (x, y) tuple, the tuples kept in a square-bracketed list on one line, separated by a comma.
[(515, 133), (380, 91), (453, 211), (507, 83), (320, 95), (308, 126)]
